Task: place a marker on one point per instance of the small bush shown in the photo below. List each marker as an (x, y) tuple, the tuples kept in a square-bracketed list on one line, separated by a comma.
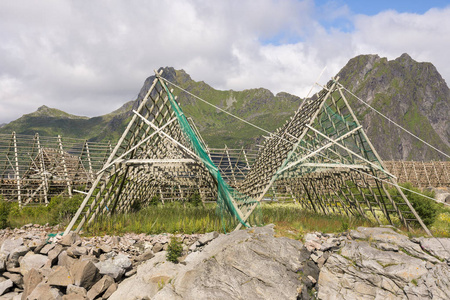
[(195, 199), (15, 211), (174, 250), (5, 208), (154, 200), (136, 206), (344, 226), (426, 208), (62, 209)]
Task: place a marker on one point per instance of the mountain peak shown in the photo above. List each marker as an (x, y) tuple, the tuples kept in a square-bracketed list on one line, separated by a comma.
[(411, 93), (405, 56), (406, 60), (45, 111)]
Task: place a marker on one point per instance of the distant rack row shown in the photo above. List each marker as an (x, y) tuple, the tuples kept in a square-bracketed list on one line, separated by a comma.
[(33, 169)]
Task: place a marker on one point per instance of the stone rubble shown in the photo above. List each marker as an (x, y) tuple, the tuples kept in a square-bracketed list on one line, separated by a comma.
[(37, 262), (366, 263)]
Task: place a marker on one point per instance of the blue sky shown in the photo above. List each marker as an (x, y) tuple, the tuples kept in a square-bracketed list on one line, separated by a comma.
[(339, 14), (90, 57), (371, 8)]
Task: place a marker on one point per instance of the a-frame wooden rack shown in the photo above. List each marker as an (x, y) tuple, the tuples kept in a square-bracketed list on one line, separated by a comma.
[(325, 157), (321, 154), (152, 157)]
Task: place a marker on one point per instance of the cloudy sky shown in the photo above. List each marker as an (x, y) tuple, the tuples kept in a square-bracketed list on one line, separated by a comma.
[(89, 57)]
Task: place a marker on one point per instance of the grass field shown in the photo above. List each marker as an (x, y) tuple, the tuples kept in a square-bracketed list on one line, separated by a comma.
[(291, 219)]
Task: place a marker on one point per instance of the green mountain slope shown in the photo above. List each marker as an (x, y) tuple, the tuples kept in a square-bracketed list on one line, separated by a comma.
[(51, 122), (258, 106), (412, 94)]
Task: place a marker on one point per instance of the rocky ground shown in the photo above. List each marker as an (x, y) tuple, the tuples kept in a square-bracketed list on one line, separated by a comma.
[(367, 263)]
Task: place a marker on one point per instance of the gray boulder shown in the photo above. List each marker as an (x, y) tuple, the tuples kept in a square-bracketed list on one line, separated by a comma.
[(5, 285), (438, 247), (44, 291), (208, 237), (382, 264), (65, 260), (246, 264), (53, 254), (100, 287), (73, 289), (114, 266), (60, 277), (148, 254), (30, 281), (32, 261), (14, 255), (74, 251), (112, 288), (10, 245), (157, 247), (70, 239), (47, 248), (85, 273), (17, 279), (109, 268)]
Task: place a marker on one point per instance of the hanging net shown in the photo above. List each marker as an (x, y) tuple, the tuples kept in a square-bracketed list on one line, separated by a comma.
[(229, 200)]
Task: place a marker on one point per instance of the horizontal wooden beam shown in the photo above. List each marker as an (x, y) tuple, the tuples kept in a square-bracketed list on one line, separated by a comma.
[(157, 161)]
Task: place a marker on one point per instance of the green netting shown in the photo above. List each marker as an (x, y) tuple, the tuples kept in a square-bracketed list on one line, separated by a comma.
[(336, 118), (228, 199), (333, 120)]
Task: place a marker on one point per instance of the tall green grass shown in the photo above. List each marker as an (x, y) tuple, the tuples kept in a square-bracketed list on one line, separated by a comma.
[(58, 212), (290, 219), (168, 218), (174, 218)]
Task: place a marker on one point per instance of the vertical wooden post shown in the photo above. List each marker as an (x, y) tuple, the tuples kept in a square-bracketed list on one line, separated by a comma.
[(63, 161), (426, 174), (42, 167), (419, 183), (17, 171), (438, 180), (231, 166), (91, 173)]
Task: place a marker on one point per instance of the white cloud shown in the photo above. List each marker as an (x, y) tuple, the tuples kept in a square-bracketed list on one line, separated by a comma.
[(90, 57), (390, 34)]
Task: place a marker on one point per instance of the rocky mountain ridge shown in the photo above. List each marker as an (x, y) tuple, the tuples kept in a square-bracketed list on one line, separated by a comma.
[(413, 94)]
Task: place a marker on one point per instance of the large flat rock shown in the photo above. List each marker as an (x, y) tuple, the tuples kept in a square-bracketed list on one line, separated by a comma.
[(379, 263), (247, 264)]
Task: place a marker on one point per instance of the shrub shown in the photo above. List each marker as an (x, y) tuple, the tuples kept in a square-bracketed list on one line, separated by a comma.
[(195, 199), (136, 206), (62, 209), (15, 211), (426, 208), (154, 200), (174, 250), (5, 208)]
